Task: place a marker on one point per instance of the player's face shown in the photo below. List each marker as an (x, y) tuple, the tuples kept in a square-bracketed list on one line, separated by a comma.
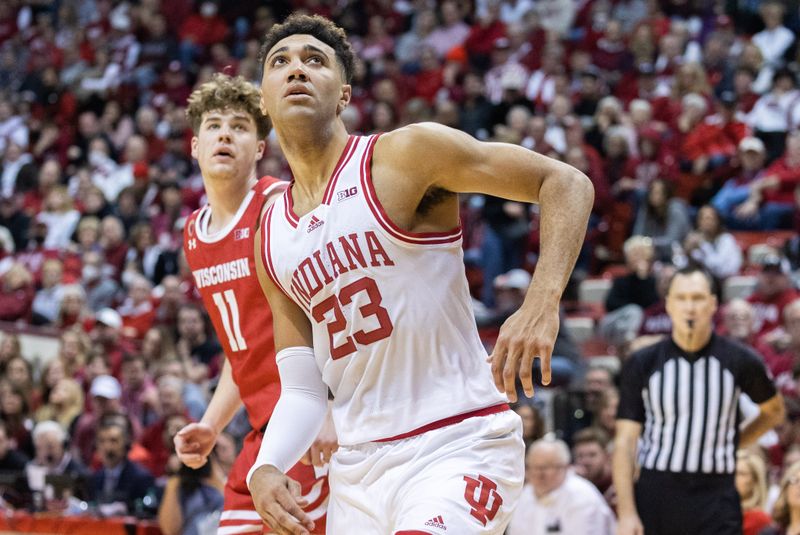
[(690, 300), (302, 79), (227, 145)]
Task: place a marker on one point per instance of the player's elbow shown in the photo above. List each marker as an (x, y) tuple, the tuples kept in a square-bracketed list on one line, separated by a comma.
[(581, 187)]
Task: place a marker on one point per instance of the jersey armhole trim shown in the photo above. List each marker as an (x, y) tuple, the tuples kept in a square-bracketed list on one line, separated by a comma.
[(416, 238), (266, 259)]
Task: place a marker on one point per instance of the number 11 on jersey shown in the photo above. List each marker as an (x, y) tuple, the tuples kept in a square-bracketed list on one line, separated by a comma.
[(229, 312)]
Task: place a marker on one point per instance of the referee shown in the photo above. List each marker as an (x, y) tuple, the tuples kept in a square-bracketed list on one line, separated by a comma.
[(679, 402)]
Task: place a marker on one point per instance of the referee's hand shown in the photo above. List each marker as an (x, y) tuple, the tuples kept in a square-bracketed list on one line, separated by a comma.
[(629, 525)]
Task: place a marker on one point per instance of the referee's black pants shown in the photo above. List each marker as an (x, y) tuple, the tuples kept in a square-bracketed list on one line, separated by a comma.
[(688, 504)]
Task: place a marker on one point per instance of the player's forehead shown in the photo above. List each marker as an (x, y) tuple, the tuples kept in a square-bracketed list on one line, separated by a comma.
[(300, 42), (227, 114)]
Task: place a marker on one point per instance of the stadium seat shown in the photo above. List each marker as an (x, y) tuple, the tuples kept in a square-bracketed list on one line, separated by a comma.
[(581, 328), (738, 286), (594, 290)]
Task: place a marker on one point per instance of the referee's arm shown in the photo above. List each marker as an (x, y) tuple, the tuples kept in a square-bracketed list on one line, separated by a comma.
[(772, 413), (624, 467)]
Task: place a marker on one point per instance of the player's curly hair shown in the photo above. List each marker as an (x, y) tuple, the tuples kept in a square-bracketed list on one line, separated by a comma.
[(225, 92), (318, 27)]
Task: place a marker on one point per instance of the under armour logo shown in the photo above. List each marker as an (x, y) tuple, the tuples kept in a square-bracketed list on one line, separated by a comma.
[(193, 244), (481, 494)]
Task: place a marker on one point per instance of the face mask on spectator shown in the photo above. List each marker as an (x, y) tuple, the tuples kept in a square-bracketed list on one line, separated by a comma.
[(208, 9), (90, 273), (97, 158)]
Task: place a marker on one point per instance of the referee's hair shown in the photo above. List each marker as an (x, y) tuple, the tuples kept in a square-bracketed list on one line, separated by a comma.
[(689, 270)]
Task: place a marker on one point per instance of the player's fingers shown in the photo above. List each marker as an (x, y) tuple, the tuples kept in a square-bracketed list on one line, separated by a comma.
[(545, 354), (526, 372), (509, 372), (296, 492), (314, 454), (498, 358), (328, 452), (291, 515)]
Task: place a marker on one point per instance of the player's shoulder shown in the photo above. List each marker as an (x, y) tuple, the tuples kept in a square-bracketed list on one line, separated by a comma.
[(190, 224), (267, 185), (422, 148), (416, 136)]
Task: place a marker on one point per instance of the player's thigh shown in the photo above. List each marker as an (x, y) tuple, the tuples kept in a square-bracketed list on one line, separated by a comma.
[(352, 509), (473, 489)]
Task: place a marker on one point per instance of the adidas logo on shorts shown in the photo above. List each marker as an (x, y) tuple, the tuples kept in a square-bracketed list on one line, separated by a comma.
[(437, 522)]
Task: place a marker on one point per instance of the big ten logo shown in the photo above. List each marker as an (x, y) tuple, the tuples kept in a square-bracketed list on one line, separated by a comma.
[(481, 494), (346, 193)]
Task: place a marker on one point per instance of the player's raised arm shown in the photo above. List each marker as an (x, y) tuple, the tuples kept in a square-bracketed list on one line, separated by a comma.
[(434, 156), (297, 418)]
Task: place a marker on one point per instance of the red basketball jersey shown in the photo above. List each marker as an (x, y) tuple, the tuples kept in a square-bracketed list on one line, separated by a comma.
[(224, 272)]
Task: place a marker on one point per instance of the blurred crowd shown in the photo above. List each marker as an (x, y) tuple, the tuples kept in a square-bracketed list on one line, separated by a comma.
[(683, 113)]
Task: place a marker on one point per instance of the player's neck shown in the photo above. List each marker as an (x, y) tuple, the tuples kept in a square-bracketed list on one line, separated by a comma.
[(312, 155), (225, 196)]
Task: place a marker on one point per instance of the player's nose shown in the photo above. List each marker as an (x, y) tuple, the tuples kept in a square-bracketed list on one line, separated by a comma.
[(297, 71)]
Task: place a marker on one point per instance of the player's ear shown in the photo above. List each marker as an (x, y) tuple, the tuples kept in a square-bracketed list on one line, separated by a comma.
[(194, 147), (260, 148), (344, 98)]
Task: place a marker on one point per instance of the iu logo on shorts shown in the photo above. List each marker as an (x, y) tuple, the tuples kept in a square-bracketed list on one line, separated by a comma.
[(481, 494)]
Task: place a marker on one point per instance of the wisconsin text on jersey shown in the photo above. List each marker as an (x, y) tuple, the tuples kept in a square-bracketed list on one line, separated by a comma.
[(220, 273), (325, 264)]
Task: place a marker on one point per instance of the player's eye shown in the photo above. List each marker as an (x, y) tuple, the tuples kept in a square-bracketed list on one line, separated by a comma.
[(315, 59), (279, 60)]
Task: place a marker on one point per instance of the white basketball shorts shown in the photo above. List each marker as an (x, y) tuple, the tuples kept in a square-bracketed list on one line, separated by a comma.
[(461, 479)]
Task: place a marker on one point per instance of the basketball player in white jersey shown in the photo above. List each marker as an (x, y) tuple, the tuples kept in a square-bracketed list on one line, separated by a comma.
[(363, 268)]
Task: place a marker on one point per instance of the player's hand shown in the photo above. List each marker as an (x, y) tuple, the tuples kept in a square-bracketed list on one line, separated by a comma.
[(529, 333), (630, 525), (194, 443), (324, 446), (279, 502)]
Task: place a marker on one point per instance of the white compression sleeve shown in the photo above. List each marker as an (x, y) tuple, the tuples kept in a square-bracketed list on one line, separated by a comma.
[(299, 413)]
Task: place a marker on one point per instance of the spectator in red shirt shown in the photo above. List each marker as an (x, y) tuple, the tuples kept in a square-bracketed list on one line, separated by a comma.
[(106, 335), (739, 322), (782, 356), (771, 199), (18, 291), (139, 394), (199, 31), (773, 293), (170, 398), (112, 241), (137, 310), (486, 30)]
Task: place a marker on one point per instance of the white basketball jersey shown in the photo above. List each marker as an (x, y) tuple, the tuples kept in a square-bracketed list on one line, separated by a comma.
[(393, 327)]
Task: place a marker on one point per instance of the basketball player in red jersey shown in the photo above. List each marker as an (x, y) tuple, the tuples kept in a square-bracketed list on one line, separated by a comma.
[(218, 242), (363, 267)]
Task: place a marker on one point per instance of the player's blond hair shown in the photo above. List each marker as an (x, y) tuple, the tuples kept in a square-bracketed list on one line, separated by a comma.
[(225, 92)]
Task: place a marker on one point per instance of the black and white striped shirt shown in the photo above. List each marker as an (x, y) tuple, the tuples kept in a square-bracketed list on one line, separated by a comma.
[(689, 403)]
